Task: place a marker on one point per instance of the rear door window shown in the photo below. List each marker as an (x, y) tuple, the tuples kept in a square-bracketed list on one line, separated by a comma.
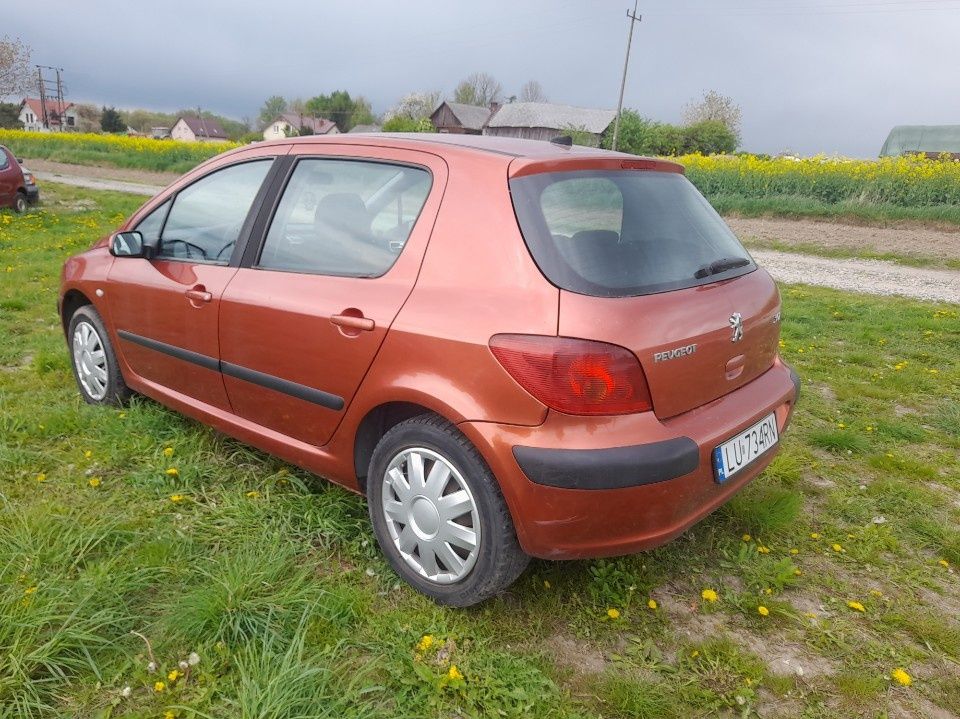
[(347, 218), (624, 233)]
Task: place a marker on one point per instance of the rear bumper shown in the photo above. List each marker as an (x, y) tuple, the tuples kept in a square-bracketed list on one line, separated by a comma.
[(590, 487)]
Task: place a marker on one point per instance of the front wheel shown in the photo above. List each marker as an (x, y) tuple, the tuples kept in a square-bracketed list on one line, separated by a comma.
[(438, 514), (94, 361), (20, 203)]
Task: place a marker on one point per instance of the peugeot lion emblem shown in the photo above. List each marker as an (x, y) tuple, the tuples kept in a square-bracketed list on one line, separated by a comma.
[(736, 324)]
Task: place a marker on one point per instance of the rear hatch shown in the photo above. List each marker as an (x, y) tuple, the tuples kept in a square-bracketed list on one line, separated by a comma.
[(643, 261)]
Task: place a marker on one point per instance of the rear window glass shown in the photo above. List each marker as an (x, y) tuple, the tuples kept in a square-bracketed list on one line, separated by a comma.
[(624, 233)]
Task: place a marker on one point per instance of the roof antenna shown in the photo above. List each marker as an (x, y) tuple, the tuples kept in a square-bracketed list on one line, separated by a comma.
[(563, 141)]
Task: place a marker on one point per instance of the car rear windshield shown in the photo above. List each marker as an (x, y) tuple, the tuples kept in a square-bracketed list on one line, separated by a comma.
[(620, 233)]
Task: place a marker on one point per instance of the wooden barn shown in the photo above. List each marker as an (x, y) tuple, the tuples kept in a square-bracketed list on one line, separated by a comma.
[(545, 121), (459, 119)]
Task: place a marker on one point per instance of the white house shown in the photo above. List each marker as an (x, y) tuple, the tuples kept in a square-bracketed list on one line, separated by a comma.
[(289, 124), (198, 129), (59, 116)]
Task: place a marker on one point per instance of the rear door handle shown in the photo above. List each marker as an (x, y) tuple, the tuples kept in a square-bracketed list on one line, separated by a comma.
[(355, 323), (198, 295)]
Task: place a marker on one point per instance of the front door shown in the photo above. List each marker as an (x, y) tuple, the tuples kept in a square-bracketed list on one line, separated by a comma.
[(165, 309), (300, 328), (9, 177)]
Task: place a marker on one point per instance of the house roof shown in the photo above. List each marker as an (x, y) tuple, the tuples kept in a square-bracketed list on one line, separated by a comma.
[(52, 106), (558, 117), (319, 125), (922, 138), (204, 127), (472, 117), (366, 128)]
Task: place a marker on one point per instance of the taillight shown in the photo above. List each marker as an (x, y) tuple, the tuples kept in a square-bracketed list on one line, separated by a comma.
[(575, 376)]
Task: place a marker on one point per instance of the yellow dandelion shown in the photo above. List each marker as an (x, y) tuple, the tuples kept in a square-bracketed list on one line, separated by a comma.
[(797, 572), (746, 537), (174, 675), (876, 593), (177, 498), (172, 472), (94, 482), (794, 551), (694, 654), (763, 550), (841, 425), (454, 674), (87, 454), (943, 563), (836, 547), (426, 641), (613, 613), (810, 615), (253, 494), (652, 603), (546, 584), (168, 714), (29, 590), (168, 451), (159, 687), (856, 606), (41, 477), (763, 611), (709, 595), (901, 677), (815, 535)]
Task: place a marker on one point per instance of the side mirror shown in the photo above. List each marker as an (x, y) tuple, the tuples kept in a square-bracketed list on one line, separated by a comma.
[(130, 244), (19, 160)]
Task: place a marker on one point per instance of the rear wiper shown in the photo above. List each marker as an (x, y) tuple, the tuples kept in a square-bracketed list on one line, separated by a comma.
[(721, 265)]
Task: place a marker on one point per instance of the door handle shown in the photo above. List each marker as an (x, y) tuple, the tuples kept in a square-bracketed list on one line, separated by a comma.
[(197, 295), (355, 323)]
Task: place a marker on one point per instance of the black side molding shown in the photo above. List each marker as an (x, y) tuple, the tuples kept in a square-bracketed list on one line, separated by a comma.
[(615, 468), (278, 384)]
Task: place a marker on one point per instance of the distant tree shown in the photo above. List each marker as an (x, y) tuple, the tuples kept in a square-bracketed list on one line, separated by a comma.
[(363, 112), (401, 123), (479, 88), (272, 107), (16, 73), (641, 136), (709, 137), (532, 91), (10, 116), (415, 106), (338, 106), (716, 107), (297, 106), (110, 120), (88, 117)]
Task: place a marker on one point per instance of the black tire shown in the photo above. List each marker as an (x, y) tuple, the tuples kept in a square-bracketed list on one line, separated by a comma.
[(20, 203), (499, 560), (115, 391)]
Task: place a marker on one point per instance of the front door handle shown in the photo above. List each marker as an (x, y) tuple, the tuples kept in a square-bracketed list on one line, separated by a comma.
[(355, 323), (198, 295)]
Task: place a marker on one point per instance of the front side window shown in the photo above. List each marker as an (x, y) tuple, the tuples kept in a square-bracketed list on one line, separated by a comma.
[(4, 162), (344, 217), (205, 220), (624, 233), (151, 225)]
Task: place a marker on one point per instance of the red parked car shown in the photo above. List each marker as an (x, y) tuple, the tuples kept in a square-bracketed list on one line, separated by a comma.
[(18, 189), (513, 348)]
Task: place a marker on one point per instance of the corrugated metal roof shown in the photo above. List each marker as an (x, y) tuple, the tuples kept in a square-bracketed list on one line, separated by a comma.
[(545, 114), (922, 138), (471, 117)]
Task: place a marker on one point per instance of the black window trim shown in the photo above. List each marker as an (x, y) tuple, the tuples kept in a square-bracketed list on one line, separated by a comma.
[(258, 238), (245, 229)]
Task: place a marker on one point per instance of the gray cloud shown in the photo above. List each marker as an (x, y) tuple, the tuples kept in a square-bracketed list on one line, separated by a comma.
[(810, 75)]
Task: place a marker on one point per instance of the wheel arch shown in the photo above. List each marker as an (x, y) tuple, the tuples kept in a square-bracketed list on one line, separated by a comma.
[(72, 301)]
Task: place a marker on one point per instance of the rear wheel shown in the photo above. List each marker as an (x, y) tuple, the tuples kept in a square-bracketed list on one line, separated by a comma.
[(20, 203), (438, 514), (94, 361)]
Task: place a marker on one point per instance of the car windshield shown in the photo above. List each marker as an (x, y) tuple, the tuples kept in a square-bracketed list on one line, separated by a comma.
[(619, 233)]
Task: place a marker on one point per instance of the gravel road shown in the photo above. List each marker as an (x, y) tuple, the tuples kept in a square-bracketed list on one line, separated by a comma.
[(870, 276)]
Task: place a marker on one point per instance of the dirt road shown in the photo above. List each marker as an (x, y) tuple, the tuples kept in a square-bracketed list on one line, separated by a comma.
[(871, 276)]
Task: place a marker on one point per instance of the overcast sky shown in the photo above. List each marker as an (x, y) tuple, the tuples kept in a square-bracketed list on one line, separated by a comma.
[(810, 75)]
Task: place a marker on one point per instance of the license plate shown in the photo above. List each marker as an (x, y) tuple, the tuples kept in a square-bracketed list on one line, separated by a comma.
[(738, 452)]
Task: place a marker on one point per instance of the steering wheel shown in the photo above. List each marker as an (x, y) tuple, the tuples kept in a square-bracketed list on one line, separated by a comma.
[(228, 246), (189, 245)]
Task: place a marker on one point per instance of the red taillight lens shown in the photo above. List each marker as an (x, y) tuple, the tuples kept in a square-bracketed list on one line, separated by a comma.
[(575, 376)]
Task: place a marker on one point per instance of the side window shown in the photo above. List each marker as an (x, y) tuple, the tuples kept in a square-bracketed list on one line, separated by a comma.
[(345, 217), (205, 220), (4, 162), (151, 225)]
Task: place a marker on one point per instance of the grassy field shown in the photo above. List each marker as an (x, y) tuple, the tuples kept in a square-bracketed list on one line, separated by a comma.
[(132, 540)]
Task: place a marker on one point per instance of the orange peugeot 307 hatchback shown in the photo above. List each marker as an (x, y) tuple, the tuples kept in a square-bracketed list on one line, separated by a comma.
[(513, 348)]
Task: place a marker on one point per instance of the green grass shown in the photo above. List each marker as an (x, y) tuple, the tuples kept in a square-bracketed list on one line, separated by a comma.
[(272, 578)]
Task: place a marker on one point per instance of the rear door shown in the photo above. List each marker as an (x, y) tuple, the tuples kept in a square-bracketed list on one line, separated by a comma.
[(9, 177), (301, 324), (644, 262), (165, 310)]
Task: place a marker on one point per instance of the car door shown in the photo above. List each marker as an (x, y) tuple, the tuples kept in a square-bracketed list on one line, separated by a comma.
[(300, 326), (8, 177), (165, 309)]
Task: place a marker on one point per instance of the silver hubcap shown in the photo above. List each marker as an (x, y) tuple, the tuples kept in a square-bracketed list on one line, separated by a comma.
[(431, 515), (90, 360)]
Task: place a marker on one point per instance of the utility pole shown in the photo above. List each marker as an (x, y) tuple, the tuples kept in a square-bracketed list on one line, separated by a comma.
[(634, 18)]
